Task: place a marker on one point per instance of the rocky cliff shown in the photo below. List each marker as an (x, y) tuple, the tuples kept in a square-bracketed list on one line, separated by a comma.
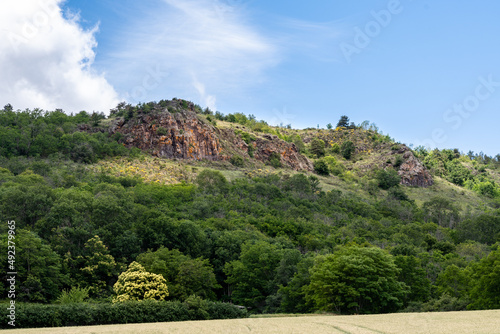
[(413, 173), (183, 134), (180, 135)]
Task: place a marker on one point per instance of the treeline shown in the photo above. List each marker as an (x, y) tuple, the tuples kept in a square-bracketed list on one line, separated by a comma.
[(54, 134), (269, 243)]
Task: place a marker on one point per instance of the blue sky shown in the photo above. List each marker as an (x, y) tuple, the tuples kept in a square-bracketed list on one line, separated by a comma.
[(426, 72)]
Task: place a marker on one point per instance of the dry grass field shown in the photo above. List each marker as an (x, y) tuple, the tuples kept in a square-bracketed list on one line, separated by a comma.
[(471, 322)]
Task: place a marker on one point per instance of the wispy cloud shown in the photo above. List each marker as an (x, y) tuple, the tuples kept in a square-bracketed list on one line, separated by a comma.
[(207, 47), (46, 59)]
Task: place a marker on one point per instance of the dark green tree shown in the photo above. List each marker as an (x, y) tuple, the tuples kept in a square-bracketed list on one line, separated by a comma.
[(318, 147), (343, 121), (185, 276), (347, 149), (356, 280), (387, 178), (252, 277), (321, 167), (485, 292)]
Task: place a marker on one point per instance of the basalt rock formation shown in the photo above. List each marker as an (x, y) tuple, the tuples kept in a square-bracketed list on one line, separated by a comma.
[(413, 173), (183, 134), (180, 135)]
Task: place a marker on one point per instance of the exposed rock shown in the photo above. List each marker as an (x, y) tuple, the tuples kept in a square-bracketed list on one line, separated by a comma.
[(179, 135), (185, 135), (290, 156), (413, 173)]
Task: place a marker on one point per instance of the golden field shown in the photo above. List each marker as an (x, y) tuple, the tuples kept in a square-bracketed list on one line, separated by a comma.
[(466, 322)]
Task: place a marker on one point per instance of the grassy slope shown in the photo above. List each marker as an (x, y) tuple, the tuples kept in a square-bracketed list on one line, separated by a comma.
[(411, 323), (373, 150)]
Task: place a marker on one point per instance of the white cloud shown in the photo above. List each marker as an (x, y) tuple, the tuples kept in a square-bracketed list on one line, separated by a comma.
[(46, 59), (204, 48)]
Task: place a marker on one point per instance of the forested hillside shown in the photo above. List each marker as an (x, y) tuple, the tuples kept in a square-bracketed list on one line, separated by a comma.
[(279, 220)]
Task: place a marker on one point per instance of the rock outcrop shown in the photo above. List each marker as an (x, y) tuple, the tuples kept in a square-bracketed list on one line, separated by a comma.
[(180, 135), (290, 156), (413, 173), (185, 135)]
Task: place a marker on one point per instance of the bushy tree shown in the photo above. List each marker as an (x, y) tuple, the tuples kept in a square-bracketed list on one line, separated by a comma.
[(356, 280), (98, 267), (441, 211), (387, 178), (343, 121), (185, 276), (321, 167), (138, 284), (485, 292), (347, 149), (252, 276), (213, 182), (318, 147)]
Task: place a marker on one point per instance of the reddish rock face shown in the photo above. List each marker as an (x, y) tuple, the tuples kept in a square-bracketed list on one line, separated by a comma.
[(290, 157), (180, 135), (413, 173), (183, 135)]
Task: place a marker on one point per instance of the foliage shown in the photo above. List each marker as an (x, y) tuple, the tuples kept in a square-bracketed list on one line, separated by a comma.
[(138, 284), (441, 211), (185, 276), (486, 284), (356, 280), (87, 314), (212, 182), (161, 131), (317, 147), (321, 167), (343, 121), (347, 149), (237, 160), (275, 160), (387, 178), (73, 296)]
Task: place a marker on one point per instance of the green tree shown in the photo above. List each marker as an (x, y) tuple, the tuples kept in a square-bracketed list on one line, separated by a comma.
[(39, 275), (252, 276), (453, 281), (414, 276), (441, 211), (321, 167), (356, 280), (329, 126), (343, 121), (138, 284), (318, 147), (275, 160), (387, 178), (185, 276), (347, 149), (212, 182), (485, 292), (484, 228), (98, 267)]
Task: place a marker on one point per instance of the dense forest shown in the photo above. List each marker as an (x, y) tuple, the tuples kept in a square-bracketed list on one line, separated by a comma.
[(273, 240)]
